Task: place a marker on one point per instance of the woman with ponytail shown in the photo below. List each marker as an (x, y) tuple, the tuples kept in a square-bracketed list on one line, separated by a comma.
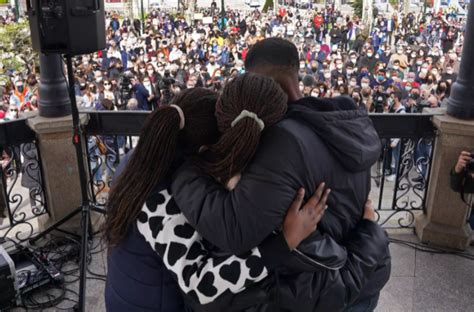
[(154, 253)]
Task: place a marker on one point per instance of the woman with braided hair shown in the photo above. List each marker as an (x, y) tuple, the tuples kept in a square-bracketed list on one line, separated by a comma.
[(154, 253), (248, 105)]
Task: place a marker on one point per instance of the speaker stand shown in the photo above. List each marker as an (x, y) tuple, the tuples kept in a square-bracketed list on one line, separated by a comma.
[(86, 206)]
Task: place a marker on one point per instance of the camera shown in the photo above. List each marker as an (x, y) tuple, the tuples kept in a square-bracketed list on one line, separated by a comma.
[(470, 164), (125, 88), (379, 100)]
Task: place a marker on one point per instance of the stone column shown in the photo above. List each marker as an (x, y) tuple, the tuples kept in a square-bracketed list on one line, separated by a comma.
[(445, 221), (60, 169)]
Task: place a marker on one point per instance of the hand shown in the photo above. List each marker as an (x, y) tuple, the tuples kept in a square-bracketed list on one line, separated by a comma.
[(369, 211), (301, 222), (463, 159), (232, 183)]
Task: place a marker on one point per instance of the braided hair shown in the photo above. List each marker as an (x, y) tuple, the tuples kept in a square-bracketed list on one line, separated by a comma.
[(240, 137), (154, 154)]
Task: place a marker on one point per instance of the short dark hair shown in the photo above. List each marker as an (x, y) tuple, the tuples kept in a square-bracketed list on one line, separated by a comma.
[(398, 94), (273, 52)]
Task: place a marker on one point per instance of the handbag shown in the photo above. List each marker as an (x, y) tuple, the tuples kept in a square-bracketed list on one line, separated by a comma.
[(101, 146)]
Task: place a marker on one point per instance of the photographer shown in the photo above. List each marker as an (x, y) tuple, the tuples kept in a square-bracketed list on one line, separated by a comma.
[(141, 93), (462, 177), (167, 88)]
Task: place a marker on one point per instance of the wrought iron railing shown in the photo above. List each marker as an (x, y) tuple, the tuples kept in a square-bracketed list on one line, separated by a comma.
[(399, 179), (401, 176), (22, 197)]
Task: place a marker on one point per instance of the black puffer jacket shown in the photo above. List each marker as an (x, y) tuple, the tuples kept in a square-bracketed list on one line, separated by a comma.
[(320, 140)]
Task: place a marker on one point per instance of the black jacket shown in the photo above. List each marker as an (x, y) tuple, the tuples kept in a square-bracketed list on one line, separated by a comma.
[(320, 140), (462, 181)]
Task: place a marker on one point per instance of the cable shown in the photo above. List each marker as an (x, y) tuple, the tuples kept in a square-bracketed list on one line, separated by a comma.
[(432, 250)]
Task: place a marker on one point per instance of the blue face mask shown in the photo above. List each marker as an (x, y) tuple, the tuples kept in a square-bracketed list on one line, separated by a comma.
[(380, 78)]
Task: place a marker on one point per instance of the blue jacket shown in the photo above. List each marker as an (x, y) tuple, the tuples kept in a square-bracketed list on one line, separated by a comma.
[(141, 93)]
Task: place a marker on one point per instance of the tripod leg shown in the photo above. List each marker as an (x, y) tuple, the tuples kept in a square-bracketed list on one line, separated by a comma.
[(55, 226), (84, 249)]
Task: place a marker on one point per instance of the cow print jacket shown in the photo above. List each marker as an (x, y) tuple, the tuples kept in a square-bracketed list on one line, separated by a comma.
[(199, 274)]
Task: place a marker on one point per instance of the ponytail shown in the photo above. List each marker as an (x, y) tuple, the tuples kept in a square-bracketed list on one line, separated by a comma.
[(248, 104), (155, 152)]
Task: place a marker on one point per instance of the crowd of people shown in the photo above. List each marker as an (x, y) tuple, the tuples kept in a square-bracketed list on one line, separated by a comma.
[(410, 59), (401, 63)]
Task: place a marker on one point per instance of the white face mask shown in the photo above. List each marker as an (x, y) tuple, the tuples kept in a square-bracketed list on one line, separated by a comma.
[(327, 75), (99, 79), (353, 83), (364, 85), (302, 66), (314, 94), (340, 82), (396, 67), (349, 71), (150, 72), (449, 71), (339, 66), (424, 70), (108, 87)]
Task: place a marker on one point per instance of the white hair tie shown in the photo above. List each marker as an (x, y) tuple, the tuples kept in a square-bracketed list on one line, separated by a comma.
[(247, 114), (182, 121)]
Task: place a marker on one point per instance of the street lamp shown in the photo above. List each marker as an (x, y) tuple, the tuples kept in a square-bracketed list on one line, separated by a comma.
[(461, 101), (17, 10), (54, 100), (223, 14), (143, 17)]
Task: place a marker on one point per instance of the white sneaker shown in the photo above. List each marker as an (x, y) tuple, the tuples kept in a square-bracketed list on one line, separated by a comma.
[(391, 178)]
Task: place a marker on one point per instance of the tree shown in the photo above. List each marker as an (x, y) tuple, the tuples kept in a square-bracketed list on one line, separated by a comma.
[(268, 4), (358, 6), (17, 51)]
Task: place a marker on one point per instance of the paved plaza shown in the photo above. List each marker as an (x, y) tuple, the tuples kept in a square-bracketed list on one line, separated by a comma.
[(419, 282)]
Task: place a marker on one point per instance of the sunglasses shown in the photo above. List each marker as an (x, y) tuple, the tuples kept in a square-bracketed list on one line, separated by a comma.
[(106, 84)]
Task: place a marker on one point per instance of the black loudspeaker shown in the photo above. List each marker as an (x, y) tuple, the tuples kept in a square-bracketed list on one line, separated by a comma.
[(71, 27)]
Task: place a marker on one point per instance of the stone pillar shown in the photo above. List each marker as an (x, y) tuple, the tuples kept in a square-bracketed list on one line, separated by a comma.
[(445, 222), (60, 169)]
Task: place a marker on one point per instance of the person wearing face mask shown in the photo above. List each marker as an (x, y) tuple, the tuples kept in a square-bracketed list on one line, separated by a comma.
[(338, 72), (98, 78), (381, 80), (153, 92), (397, 69), (353, 83), (108, 92), (315, 92), (443, 91), (449, 75), (368, 60), (32, 84), (349, 67), (141, 93), (401, 57), (357, 97), (20, 96), (395, 105)]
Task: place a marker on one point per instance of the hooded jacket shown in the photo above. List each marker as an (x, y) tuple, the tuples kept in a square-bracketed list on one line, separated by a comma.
[(320, 140)]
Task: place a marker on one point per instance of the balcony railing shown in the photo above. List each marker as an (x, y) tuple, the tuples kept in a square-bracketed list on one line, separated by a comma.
[(22, 197), (399, 178)]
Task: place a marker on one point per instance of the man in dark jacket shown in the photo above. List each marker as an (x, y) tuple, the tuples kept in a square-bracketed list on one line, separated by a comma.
[(141, 93), (319, 140)]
